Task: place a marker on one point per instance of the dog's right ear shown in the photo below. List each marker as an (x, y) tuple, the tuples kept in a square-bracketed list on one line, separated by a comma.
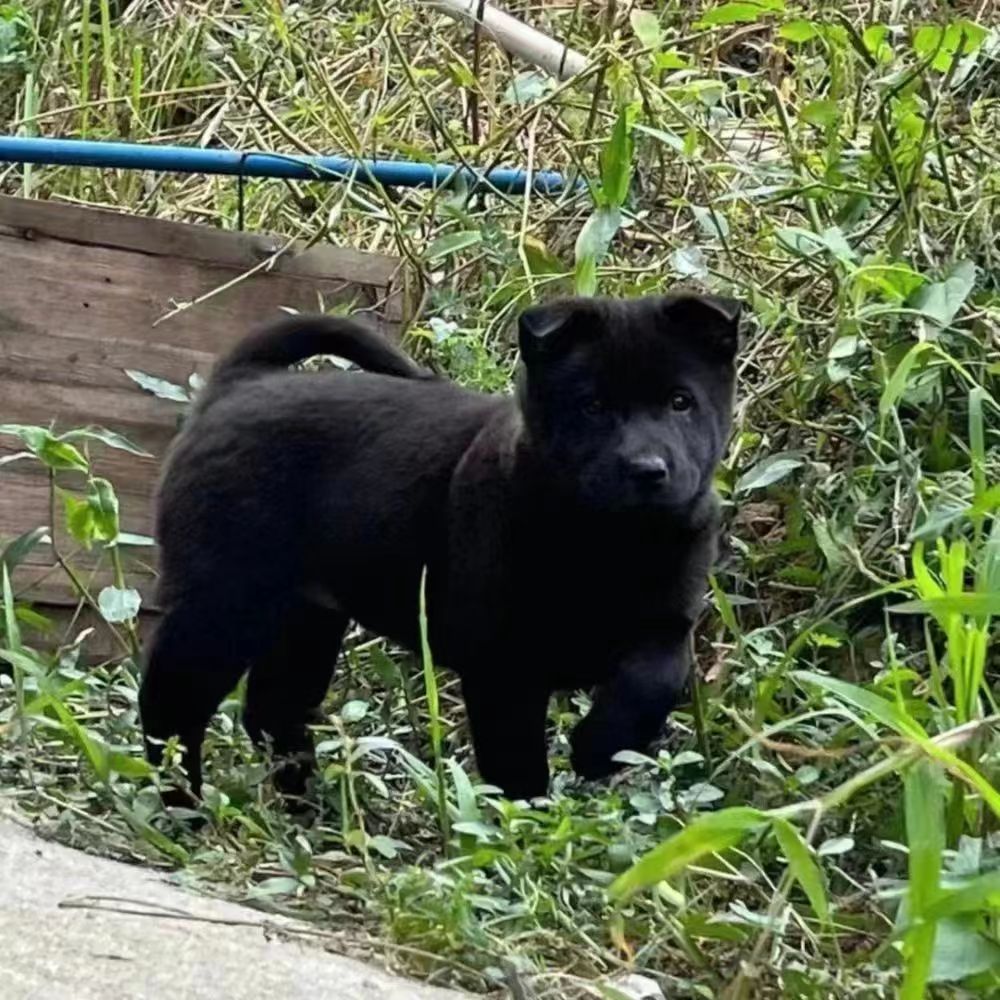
[(546, 331)]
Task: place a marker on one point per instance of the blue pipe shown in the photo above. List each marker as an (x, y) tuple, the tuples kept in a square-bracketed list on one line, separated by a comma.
[(193, 160)]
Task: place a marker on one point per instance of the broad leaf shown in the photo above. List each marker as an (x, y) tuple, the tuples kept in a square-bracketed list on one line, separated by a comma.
[(45, 446), (739, 12), (768, 471), (646, 26), (798, 31), (711, 222), (941, 301), (119, 604)]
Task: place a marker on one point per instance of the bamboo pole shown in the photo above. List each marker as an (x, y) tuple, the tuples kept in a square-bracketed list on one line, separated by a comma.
[(518, 38)]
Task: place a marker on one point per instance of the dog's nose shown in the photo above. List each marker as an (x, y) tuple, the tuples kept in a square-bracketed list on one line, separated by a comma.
[(647, 470)]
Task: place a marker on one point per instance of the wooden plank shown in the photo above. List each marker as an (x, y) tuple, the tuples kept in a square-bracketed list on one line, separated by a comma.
[(128, 295), (53, 220), (83, 297)]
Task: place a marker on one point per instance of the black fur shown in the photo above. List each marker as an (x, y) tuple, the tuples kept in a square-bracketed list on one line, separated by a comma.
[(567, 532)]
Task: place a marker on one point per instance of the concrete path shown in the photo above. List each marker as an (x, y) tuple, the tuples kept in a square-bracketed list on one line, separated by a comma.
[(187, 947)]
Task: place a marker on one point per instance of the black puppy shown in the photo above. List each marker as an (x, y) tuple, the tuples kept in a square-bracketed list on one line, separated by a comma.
[(567, 532)]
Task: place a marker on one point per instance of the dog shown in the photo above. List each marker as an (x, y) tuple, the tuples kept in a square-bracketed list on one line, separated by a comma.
[(566, 531)]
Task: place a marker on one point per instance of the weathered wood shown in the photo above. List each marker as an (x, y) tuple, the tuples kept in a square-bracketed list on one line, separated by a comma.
[(86, 294), (40, 220)]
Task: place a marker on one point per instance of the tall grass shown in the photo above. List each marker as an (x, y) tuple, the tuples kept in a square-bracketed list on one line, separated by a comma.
[(822, 822)]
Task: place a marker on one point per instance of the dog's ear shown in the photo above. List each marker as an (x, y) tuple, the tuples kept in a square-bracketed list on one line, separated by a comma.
[(545, 331), (713, 319)]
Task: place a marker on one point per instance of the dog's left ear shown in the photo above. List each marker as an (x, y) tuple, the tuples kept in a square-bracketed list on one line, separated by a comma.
[(714, 319), (547, 330)]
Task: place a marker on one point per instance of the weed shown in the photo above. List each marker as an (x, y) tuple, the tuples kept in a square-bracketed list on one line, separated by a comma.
[(824, 823)]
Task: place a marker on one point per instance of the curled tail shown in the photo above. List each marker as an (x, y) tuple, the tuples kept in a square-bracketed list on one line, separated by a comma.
[(297, 338)]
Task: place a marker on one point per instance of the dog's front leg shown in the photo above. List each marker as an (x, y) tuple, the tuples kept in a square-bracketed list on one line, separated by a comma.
[(507, 719), (631, 707)]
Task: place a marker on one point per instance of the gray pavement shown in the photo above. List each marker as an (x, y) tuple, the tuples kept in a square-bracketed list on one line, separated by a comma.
[(66, 932)]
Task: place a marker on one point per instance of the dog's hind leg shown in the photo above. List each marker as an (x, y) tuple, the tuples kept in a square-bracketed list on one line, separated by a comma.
[(507, 720), (197, 655), (286, 688)]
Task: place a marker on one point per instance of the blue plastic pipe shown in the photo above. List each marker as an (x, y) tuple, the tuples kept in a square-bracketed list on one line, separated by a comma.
[(193, 160)]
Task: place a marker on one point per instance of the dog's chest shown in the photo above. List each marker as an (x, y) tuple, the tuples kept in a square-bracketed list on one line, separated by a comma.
[(588, 590)]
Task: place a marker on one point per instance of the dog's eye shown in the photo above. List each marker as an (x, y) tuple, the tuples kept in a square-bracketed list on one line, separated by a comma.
[(592, 406), (681, 401)]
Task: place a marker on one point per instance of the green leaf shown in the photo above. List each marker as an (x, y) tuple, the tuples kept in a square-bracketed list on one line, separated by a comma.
[(941, 301), (822, 113), (540, 259), (944, 44), (961, 951), (708, 834), (675, 142), (927, 40), (616, 164), (11, 631), (739, 13), (117, 441), (874, 705), (806, 243), (671, 60), (979, 893), (452, 243), (277, 885), (119, 604), (896, 282), (876, 41), (925, 826), (92, 749), (591, 246), (465, 794), (527, 87), (17, 550), (159, 387), (689, 262), (896, 385), (798, 31), (128, 766), (768, 471), (354, 711), (646, 26), (803, 866), (46, 447), (79, 519), (712, 223), (103, 503), (972, 605), (140, 541)]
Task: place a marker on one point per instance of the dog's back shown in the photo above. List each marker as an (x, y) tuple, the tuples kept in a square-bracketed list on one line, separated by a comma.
[(339, 478)]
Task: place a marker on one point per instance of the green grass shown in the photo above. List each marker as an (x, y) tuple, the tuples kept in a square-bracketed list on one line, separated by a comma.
[(829, 827)]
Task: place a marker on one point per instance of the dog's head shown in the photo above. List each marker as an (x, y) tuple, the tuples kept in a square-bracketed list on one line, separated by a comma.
[(627, 403)]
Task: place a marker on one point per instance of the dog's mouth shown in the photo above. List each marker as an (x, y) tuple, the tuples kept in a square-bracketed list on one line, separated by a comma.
[(628, 496)]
